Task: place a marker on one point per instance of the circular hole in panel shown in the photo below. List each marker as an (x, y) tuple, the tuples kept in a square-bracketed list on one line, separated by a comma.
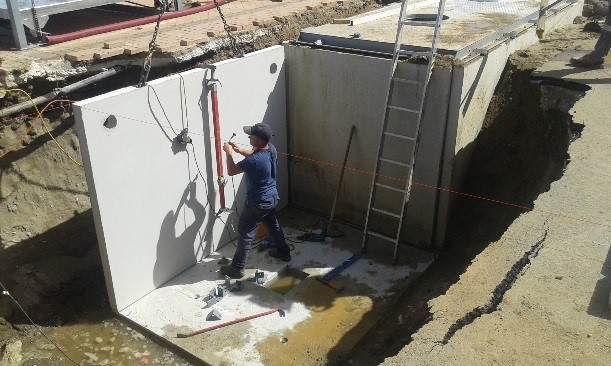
[(111, 122), (273, 68)]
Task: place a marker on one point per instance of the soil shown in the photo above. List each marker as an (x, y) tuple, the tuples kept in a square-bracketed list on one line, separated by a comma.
[(49, 257)]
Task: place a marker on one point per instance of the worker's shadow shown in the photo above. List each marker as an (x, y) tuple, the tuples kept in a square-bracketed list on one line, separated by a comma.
[(175, 253)]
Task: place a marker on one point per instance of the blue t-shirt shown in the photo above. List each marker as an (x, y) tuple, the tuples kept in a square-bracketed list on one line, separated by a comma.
[(260, 170)]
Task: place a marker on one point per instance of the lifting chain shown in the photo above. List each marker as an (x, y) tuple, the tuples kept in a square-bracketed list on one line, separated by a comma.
[(36, 23), (162, 5), (237, 52)]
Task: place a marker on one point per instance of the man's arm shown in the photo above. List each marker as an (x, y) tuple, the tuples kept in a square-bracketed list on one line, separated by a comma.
[(239, 150), (232, 168)]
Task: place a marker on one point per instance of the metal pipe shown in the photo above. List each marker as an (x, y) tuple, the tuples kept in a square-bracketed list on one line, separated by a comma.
[(235, 321), (61, 91), (341, 179), (50, 40), (217, 143)]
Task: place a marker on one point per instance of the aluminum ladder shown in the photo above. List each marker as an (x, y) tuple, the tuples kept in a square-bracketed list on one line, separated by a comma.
[(409, 141)]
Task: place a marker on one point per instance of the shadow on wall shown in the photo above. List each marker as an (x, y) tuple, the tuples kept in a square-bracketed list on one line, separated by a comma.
[(520, 151), (174, 250)]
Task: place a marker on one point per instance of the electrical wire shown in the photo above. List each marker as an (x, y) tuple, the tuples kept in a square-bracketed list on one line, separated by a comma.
[(162, 109), (39, 114), (5, 292)]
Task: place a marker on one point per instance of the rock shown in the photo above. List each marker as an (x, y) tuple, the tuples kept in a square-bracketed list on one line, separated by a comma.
[(580, 20), (104, 362), (124, 350), (588, 10), (91, 357), (10, 355), (592, 27), (99, 340)]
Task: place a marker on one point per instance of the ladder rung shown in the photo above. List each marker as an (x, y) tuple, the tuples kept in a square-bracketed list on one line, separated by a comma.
[(381, 236), (407, 81), (416, 23), (415, 53), (390, 187), (393, 162), (399, 136), (404, 109), (386, 212)]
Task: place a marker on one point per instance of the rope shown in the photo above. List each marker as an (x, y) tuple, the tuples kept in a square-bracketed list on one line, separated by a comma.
[(39, 114)]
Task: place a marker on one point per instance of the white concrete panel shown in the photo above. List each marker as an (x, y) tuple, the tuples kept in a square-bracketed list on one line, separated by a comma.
[(155, 200)]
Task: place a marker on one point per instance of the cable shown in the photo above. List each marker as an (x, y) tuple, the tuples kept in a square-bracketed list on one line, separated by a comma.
[(39, 114), (162, 109), (5, 292)]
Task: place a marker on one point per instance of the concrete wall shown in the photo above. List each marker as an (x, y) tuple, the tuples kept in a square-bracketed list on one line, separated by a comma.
[(473, 86), (330, 91), (154, 217)]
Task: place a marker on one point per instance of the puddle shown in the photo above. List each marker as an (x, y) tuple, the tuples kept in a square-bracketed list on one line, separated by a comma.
[(287, 279)]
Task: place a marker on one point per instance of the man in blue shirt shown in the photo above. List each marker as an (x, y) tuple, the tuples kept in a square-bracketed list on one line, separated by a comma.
[(259, 166)]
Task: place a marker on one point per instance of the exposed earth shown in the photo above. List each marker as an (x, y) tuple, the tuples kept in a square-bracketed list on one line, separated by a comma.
[(512, 287)]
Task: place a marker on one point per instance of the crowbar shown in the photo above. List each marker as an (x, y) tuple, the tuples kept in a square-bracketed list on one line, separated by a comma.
[(235, 321)]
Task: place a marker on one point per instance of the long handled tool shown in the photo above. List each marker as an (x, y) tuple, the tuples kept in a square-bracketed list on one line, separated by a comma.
[(326, 279), (321, 237), (235, 321), (341, 179)]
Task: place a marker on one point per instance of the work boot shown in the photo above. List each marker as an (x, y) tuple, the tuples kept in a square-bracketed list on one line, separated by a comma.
[(276, 254), (231, 271), (586, 61)]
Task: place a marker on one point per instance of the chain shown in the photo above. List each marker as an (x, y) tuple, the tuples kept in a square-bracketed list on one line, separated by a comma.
[(36, 23), (146, 67), (234, 44)]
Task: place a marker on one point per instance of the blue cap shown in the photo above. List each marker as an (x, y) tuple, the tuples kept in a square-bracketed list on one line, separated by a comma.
[(261, 130)]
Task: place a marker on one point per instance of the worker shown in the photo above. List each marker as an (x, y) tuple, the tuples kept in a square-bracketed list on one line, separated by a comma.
[(259, 165), (601, 49)]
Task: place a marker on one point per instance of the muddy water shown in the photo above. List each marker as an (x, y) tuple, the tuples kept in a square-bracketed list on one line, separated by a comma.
[(287, 280), (99, 340)]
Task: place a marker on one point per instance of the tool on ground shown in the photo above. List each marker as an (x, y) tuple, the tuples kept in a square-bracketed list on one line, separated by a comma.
[(220, 291), (326, 279), (387, 202), (259, 278), (214, 315), (235, 321)]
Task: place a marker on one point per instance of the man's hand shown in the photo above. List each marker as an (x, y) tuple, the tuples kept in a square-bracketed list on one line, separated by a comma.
[(228, 147)]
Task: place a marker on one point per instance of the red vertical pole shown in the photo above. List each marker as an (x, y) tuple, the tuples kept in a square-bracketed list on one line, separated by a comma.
[(217, 143)]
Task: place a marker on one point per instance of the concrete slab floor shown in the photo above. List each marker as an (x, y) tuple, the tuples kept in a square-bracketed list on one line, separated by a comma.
[(468, 21), (320, 325)]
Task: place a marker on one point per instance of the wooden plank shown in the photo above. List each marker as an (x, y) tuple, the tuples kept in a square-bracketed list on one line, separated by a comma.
[(113, 44), (78, 56), (194, 41), (342, 21), (100, 55), (133, 50), (310, 7)]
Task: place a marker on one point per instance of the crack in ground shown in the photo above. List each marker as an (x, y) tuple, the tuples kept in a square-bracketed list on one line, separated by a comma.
[(492, 305)]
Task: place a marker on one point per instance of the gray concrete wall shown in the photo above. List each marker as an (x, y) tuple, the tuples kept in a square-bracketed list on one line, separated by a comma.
[(150, 195), (330, 91), (473, 86)]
